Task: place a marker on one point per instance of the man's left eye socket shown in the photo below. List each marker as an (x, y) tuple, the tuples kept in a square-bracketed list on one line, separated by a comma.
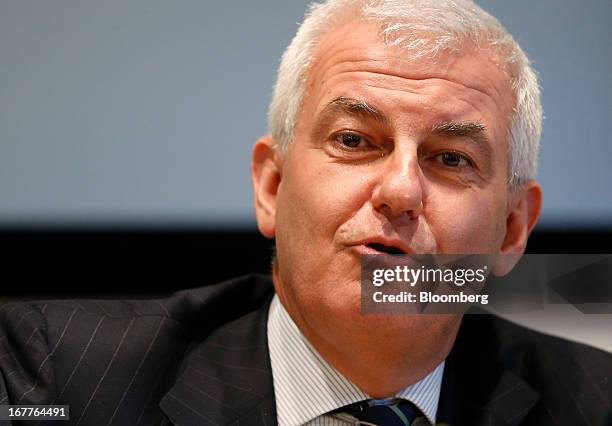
[(350, 140), (453, 159)]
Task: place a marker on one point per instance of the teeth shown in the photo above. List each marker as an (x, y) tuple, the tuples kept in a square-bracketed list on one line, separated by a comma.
[(385, 249)]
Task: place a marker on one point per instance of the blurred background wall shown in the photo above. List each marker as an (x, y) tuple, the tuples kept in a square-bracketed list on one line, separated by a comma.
[(126, 128), (137, 112)]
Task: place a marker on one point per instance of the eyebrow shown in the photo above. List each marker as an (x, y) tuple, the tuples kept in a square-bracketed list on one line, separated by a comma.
[(474, 132), (354, 106), (462, 129)]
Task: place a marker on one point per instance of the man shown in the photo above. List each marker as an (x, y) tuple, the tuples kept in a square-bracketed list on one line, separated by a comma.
[(396, 126)]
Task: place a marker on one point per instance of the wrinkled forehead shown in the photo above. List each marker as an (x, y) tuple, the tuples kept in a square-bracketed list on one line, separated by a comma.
[(421, 53), (361, 44)]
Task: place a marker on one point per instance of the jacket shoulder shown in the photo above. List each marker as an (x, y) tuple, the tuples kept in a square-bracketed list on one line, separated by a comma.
[(573, 380), (111, 351), (520, 346)]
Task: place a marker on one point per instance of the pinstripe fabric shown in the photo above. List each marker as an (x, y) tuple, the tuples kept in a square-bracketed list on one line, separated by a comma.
[(95, 356), (226, 378), (307, 387), (200, 357), (112, 361)]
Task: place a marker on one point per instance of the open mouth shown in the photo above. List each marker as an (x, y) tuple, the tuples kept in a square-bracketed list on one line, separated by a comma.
[(386, 249)]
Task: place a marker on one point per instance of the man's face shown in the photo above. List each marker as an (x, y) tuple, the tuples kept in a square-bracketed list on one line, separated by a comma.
[(411, 155)]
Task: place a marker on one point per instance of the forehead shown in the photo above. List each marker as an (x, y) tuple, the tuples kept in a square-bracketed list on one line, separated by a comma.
[(352, 57)]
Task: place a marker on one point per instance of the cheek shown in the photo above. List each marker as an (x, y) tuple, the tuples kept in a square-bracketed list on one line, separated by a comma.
[(318, 196), (314, 201), (466, 222), (311, 205)]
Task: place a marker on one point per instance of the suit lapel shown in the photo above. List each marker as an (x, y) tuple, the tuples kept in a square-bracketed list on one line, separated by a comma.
[(477, 388), (226, 378), (510, 401)]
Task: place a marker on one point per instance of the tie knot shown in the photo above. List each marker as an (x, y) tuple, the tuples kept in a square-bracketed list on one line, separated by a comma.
[(383, 412)]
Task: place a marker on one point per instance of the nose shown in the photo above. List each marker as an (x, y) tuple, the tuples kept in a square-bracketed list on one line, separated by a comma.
[(400, 189)]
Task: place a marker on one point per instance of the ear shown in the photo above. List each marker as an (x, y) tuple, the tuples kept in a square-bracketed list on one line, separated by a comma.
[(266, 175), (522, 215)]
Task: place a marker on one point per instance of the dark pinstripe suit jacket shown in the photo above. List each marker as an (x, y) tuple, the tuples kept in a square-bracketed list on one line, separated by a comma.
[(200, 357)]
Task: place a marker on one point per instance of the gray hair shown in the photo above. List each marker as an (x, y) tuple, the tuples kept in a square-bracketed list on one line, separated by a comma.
[(422, 28)]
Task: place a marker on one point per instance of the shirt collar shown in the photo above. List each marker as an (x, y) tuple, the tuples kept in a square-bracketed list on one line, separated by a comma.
[(306, 386)]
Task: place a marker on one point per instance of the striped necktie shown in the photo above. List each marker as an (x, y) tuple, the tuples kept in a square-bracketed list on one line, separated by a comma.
[(382, 412)]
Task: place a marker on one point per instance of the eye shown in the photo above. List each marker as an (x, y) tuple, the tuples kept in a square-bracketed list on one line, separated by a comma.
[(350, 140), (453, 159)]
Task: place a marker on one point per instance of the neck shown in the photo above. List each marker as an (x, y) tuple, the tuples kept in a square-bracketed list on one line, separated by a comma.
[(380, 367), (381, 354)]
